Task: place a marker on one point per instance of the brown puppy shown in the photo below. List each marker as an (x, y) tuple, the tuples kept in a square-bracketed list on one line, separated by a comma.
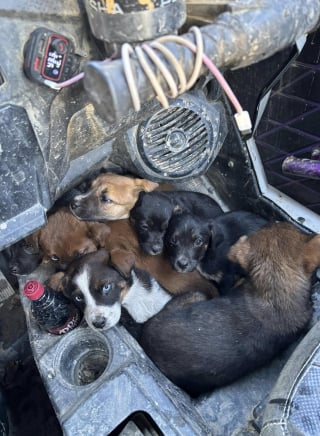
[(110, 197), (66, 238), (278, 256)]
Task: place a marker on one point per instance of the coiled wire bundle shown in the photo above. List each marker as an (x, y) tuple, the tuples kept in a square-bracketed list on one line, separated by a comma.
[(184, 84)]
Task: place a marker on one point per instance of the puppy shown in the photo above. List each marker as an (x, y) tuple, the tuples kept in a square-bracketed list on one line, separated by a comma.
[(17, 260), (22, 257), (4, 271), (66, 238), (152, 212), (195, 242), (122, 236), (100, 289), (111, 197), (207, 344)]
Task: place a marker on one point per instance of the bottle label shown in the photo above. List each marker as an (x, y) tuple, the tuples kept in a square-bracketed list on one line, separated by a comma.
[(69, 325)]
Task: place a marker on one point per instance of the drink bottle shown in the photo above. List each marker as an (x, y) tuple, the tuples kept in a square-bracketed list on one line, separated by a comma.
[(51, 309)]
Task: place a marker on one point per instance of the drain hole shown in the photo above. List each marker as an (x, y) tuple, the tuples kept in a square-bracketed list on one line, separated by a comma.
[(90, 367), (84, 360)]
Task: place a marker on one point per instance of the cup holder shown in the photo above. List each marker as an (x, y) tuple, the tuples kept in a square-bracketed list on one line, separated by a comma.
[(83, 357)]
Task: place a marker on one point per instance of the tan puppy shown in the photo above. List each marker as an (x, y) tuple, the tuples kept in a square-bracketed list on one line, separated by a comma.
[(110, 197), (280, 259)]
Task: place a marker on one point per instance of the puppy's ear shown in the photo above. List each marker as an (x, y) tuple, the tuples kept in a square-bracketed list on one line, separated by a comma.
[(311, 254), (98, 232), (64, 286), (57, 281), (216, 236), (240, 252), (146, 185), (122, 261)]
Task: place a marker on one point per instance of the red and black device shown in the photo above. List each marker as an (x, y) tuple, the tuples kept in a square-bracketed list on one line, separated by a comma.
[(49, 56)]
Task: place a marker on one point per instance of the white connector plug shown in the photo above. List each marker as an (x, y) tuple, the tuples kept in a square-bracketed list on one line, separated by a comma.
[(243, 122)]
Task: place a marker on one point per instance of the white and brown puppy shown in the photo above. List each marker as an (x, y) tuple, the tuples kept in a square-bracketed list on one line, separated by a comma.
[(100, 283)]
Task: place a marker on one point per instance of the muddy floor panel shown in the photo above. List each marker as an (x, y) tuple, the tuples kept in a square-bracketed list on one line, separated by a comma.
[(29, 408)]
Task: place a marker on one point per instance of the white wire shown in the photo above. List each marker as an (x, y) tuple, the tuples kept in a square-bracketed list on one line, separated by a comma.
[(184, 84)]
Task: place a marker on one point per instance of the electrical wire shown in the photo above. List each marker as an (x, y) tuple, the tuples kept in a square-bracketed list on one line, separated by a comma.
[(149, 51), (184, 84), (58, 85)]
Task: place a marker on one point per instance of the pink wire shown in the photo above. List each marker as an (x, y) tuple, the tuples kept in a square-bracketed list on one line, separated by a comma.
[(71, 81), (78, 76), (214, 70)]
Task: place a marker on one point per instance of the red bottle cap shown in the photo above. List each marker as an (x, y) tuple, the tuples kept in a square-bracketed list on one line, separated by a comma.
[(33, 289)]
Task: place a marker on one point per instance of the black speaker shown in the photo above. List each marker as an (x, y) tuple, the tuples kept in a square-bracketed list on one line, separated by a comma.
[(178, 142)]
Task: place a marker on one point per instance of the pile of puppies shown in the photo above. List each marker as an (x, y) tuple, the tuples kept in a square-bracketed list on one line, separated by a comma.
[(215, 295)]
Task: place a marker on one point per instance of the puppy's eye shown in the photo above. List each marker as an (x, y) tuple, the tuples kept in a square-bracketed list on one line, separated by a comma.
[(144, 227), (55, 258), (106, 288), (198, 242), (78, 298), (105, 199)]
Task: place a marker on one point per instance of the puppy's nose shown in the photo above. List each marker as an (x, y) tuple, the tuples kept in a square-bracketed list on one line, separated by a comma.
[(99, 322), (156, 248), (182, 262), (75, 203)]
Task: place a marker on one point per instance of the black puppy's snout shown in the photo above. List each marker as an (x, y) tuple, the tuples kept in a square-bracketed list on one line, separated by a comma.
[(99, 322), (157, 248), (182, 262)]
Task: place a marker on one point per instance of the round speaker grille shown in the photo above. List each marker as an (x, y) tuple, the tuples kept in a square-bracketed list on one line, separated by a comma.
[(176, 142)]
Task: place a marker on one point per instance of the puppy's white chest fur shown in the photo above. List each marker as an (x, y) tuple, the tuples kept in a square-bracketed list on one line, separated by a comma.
[(143, 303)]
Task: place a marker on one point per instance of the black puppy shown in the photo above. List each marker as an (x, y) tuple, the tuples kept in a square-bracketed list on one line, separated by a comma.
[(151, 214), (206, 344), (22, 257), (4, 268), (196, 242)]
